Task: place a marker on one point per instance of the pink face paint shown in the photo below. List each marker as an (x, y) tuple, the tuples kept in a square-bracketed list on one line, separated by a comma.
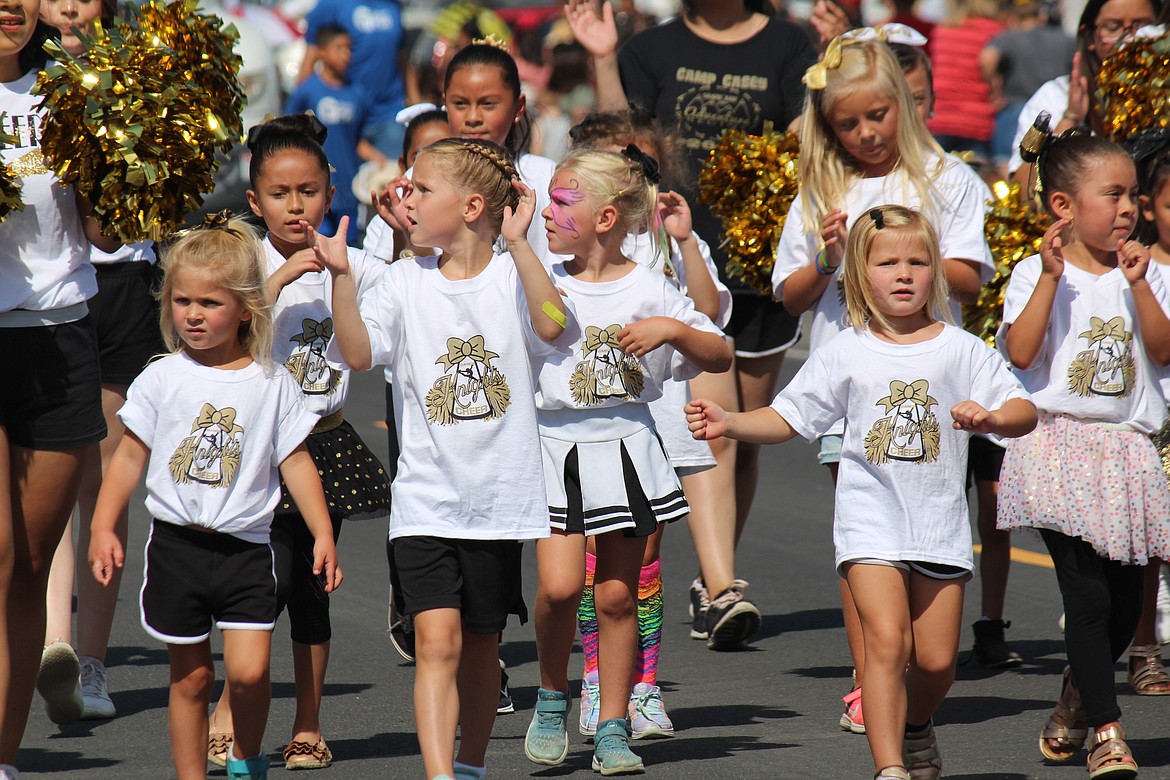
[(562, 197)]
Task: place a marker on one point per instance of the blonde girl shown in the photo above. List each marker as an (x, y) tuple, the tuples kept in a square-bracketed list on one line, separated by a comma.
[(864, 144), (674, 250), (460, 332), (214, 426), (903, 543), (607, 474), (1085, 326)]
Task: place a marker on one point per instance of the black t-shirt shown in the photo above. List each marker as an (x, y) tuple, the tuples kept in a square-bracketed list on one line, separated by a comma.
[(698, 88)]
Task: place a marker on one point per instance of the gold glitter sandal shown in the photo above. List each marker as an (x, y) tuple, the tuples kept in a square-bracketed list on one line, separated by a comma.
[(1066, 726), (1147, 676)]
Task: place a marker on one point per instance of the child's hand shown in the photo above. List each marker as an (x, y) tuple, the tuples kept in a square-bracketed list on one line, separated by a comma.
[(834, 234), (675, 214), (325, 565), (390, 206), (646, 335), (596, 32), (970, 416), (105, 554), (1051, 249), (303, 261), (1134, 260), (331, 252), (706, 419), (515, 226)]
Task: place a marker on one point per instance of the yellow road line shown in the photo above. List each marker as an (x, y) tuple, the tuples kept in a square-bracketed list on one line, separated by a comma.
[(1024, 556)]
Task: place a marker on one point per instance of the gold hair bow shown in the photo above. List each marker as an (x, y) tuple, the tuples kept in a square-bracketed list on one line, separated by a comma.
[(311, 331), (219, 219), (459, 350), (210, 417), (596, 338), (1099, 330), (492, 40), (901, 392), (817, 76)]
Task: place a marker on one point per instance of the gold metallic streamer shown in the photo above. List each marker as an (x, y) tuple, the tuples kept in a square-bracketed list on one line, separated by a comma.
[(10, 199), (749, 182), (134, 123), (1013, 232), (1133, 88)]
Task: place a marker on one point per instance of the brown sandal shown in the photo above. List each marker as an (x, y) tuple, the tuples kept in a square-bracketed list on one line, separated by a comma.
[(1109, 756), (1066, 725), (1146, 673), (218, 745), (306, 755)]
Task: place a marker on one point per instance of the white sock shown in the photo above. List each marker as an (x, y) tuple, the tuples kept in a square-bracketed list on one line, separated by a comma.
[(478, 771)]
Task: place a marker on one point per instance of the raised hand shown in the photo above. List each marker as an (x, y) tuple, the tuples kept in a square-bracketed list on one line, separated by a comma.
[(834, 235), (390, 205), (1078, 93), (331, 251), (829, 20), (515, 225), (593, 26), (675, 213), (1134, 260), (1051, 249)]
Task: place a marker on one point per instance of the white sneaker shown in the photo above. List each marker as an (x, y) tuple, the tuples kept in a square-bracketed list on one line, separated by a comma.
[(9, 772), (1162, 608), (59, 682), (590, 704), (648, 716), (95, 690)]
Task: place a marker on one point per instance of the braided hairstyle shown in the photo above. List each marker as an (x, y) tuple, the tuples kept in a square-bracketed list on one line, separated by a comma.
[(479, 167)]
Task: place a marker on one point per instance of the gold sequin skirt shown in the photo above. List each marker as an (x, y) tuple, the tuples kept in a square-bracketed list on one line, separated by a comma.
[(355, 481), (1087, 480)]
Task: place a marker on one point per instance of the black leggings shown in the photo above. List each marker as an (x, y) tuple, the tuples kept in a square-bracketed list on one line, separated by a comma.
[(296, 586), (1102, 604)]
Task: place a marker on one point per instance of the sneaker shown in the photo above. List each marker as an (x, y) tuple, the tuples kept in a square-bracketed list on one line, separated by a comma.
[(95, 690), (991, 650), (254, 768), (920, 754), (59, 682), (852, 719), (590, 704), (506, 706), (648, 716), (739, 586), (547, 740), (9, 772), (401, 632), (1162, 606), (731, 620), (611, 750), (698, 609)]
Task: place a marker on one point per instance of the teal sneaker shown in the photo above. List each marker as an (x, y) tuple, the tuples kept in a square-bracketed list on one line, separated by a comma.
[(611, 751), (254, 768), (547, 740)]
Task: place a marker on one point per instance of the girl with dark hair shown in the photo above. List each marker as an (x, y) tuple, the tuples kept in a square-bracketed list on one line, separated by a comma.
[(291, 189)]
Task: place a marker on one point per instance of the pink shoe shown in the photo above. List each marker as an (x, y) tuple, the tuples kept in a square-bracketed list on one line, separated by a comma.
[(852, 719)]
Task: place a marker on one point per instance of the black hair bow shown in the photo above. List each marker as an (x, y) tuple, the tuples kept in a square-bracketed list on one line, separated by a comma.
[(648, 164)]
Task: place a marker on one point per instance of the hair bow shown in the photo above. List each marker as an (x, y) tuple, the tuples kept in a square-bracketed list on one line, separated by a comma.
[(879, 219), (219, 219), (410, 113), (648, 164), (891, 32), (492, 40), (817, 76)]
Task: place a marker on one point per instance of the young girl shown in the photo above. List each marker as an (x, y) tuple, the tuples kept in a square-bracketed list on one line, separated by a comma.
[(481, 93), (900, 526), (214, 426), (47, 336), (1085, 326), (460, 333), (865, 144), (685, 260), (607, 474), (290, 183)]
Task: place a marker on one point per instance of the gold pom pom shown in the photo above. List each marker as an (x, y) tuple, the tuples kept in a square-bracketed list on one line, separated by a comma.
[(134, 125), (1013, 232), (10, 199), (1133, 88), (749, 182)]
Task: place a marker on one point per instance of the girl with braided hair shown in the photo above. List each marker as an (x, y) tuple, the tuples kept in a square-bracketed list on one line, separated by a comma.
[(462, 335)]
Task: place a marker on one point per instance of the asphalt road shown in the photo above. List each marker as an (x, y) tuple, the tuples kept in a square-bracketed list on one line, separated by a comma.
[(767, 712)]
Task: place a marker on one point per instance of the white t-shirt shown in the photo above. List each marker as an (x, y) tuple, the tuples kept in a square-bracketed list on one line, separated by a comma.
[(669, 418), (44, 256), (535, 172), (598, 374), (127, 253), (1090, 365), (217, 439), (462, 358), (901, 489), (1053, 98), (303, 324), (1163, 270)]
